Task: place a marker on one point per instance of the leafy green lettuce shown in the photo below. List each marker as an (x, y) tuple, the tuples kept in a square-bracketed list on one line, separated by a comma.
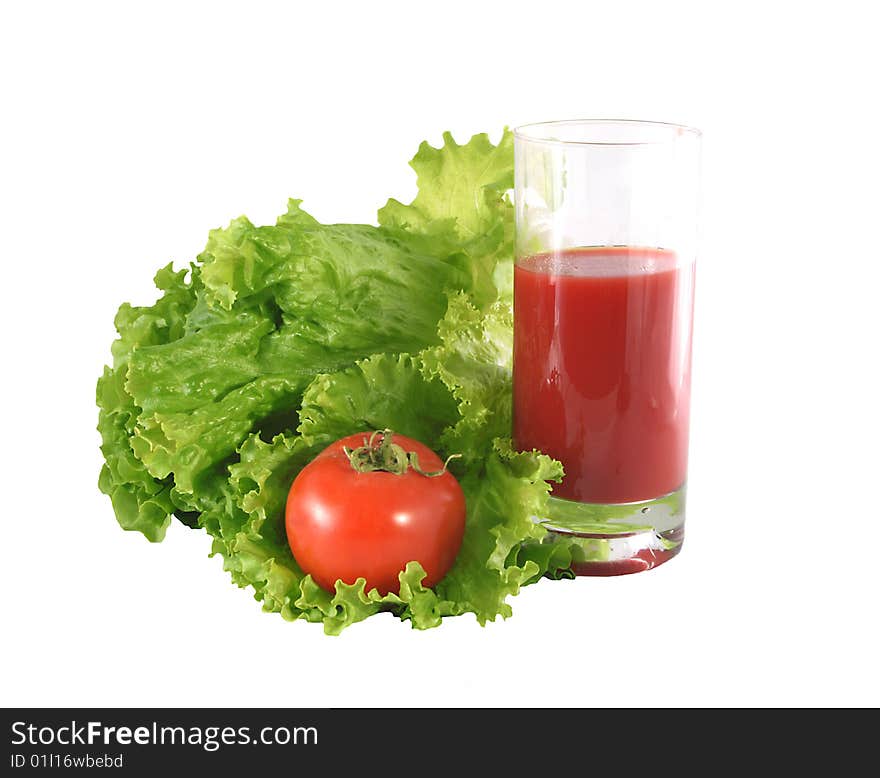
[(280, 339)]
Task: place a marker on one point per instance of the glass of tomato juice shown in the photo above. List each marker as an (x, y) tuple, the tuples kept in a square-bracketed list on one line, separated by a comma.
[(606, 233)]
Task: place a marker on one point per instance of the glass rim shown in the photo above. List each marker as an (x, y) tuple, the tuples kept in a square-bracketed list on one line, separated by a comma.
[(532, 132)]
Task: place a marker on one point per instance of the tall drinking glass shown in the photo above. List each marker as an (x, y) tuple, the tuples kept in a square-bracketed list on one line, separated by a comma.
[(606, 234)]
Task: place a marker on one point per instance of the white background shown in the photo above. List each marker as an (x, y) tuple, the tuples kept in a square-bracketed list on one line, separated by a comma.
[(128, 131)]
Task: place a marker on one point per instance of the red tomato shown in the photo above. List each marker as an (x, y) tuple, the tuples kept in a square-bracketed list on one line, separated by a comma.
[(343, 524)]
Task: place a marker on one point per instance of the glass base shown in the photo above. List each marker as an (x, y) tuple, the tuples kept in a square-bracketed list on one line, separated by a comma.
[(617, 539)]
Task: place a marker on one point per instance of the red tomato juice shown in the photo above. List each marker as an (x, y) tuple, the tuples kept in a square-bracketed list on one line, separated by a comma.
[(602, 368)]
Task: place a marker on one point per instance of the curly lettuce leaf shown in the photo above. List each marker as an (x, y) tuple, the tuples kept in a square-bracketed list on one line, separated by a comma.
[(193, 371), (462, 209), (162, 322), (462, 184), (474, 363), (262, 477), (190, 444), (140, 501), (502, 502), (352, 289), (384, 391)]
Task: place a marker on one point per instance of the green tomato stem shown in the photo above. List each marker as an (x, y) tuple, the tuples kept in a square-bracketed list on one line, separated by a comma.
[(389, 457)]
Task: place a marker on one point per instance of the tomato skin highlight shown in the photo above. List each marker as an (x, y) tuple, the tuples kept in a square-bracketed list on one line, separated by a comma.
[(343, 524)]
